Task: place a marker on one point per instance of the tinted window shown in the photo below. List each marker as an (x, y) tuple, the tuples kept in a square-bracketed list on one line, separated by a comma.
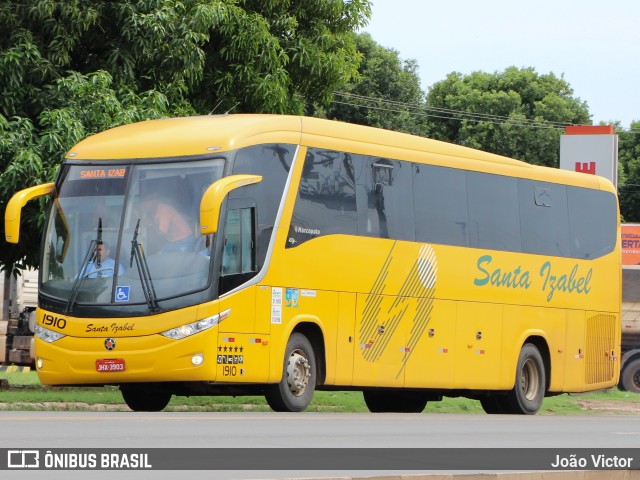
[(440, 204), (409, 201), (326, 202), (494, 217), (592, 222), (237, 256), (272, 162), (544, 218), (384, 197)]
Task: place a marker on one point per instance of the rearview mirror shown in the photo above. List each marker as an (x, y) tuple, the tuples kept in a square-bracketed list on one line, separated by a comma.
[(14, 209), (214, 197)]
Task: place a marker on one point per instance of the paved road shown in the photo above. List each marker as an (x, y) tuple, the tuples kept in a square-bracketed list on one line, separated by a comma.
[(54, 430), (153, 430)]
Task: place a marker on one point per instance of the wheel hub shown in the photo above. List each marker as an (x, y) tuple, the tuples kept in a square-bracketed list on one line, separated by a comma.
[(298, 373), (529, 380)]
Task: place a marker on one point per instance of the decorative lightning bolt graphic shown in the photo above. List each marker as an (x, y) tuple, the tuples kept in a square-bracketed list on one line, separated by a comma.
[(416, 292), (427, 266)]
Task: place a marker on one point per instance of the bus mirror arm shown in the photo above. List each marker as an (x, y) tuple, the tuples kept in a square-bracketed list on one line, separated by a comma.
[(13, 212), (214, 197)]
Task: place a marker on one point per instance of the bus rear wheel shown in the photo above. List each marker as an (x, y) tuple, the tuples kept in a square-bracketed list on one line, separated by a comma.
[(528, 393), (394, 401), (144, 398), (494, 404), (295, 390), (630, 377)]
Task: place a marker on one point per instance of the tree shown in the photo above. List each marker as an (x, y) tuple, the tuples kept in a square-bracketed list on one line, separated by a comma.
[(278, 56), (31, 150), (71, 68), (629, 178), (517, 113), (385, 94)]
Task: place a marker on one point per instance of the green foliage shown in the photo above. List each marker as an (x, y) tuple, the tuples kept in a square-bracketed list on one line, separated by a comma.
[(501, 103), (379, 96), (31, 150), (629, 173), (71, 68), (277, 56)]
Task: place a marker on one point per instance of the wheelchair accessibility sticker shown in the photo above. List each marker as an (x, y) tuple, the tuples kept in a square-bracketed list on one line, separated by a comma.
[(122, 294)]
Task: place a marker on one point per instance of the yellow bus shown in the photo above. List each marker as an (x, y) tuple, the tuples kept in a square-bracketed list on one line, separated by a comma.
[(277, 255)]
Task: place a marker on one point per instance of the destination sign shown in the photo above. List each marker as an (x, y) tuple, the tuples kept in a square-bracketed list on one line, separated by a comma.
[(93, 173)]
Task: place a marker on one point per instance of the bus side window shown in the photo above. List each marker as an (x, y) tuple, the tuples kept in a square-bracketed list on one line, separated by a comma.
[(239, 248), (384, 195)]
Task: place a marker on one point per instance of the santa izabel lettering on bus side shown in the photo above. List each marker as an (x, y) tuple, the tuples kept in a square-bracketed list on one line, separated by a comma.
[(549, 279)]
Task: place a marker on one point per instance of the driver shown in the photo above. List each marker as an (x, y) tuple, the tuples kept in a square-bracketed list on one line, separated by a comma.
[(102, 265)]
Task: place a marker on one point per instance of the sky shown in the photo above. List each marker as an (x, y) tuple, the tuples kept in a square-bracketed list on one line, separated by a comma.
[(594, 44)]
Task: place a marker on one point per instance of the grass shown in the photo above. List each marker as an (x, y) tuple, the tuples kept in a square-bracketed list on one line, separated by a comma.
[(26, 393)]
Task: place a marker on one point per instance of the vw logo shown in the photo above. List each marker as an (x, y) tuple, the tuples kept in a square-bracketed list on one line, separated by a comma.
[(110, 343)]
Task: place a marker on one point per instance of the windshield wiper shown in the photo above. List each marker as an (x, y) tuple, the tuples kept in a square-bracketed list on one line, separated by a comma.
[(137, 253), (93, 254)]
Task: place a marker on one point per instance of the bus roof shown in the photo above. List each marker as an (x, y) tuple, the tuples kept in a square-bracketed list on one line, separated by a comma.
[(187, 136), (204, 135)]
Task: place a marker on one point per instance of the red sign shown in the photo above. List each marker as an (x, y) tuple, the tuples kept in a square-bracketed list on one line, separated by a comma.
[(589, 168)]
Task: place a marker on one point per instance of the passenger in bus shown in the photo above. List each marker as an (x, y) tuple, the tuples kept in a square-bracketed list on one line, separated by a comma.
[(102, 265), (169, 224)]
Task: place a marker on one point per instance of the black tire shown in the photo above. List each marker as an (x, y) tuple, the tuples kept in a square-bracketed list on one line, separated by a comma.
[(394, 401), (630, 376), (528, 393), (493, 404), (142, 398), (295, 390)]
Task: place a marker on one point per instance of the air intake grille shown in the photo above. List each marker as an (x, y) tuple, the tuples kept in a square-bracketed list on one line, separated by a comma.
[(601, 336)]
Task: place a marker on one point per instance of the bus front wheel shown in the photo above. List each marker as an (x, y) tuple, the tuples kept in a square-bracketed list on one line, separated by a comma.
[(528, 393), (295, 390), (144, 398)]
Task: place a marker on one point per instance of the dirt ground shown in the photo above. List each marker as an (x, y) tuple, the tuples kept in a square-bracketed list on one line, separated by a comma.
[(610, 407)]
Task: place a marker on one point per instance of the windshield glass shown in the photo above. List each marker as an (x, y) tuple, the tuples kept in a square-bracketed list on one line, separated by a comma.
[(128, 234)]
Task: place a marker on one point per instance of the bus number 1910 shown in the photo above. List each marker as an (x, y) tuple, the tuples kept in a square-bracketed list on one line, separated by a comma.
[(229, 370)]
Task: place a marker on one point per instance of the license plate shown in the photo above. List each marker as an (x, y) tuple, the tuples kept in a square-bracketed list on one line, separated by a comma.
[(110, 365)]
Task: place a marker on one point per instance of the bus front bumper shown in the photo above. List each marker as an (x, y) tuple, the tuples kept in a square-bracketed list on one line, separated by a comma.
[(115, 360)]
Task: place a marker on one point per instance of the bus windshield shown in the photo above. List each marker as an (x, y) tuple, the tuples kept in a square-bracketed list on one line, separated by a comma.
[(127, 234)]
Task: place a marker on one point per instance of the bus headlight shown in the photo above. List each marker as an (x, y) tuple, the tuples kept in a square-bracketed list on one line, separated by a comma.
[(195, 327), (47, 335)]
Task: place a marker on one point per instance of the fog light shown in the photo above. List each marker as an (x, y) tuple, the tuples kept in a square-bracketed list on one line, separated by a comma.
[(39, 363), (197, 359)]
